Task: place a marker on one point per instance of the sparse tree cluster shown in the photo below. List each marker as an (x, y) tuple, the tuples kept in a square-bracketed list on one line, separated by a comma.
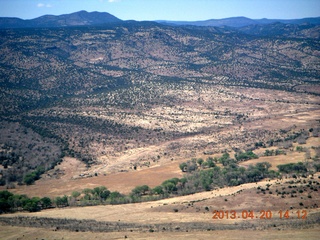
[(10, 202)]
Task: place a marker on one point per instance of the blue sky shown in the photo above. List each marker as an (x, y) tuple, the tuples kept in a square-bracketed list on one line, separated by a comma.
[(188, 10)]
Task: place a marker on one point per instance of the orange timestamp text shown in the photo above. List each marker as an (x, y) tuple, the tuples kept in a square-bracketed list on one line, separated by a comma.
[(262, 214)]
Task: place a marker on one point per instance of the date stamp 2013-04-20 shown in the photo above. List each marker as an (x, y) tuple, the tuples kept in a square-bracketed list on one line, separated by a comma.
[(262, 214)]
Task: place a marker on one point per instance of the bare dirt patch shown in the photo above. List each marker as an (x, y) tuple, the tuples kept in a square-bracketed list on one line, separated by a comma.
[(123, 182)]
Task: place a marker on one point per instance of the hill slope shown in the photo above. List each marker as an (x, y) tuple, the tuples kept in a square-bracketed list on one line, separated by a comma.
[(132, 94)]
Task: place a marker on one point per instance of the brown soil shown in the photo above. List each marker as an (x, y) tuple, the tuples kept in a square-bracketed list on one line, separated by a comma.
[(123, 182)]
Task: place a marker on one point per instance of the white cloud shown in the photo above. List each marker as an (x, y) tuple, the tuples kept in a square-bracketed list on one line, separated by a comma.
[(112, 1), (41, 5)]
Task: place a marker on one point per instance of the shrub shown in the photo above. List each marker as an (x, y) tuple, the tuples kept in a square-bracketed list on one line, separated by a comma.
[(241, 156), (140, 190), (46, 202), (292, 167), (30, 178), (158, 190), (62, 201)]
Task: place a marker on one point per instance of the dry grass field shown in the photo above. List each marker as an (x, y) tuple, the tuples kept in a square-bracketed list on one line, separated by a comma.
[(13, 233), (123, 182), (191, 209), (245, 196), (291, 157)]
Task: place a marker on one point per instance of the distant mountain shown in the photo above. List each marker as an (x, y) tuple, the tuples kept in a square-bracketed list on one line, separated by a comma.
[(284, 30), (8, 22), (230, 22), (238, 22), (81, 18), (84, 18)]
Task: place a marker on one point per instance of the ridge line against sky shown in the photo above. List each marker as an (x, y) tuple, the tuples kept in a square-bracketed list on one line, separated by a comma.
[(174, 10)]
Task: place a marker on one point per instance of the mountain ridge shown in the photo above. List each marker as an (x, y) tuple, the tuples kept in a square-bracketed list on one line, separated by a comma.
[(241, 21), (81, 18), (84, 18)]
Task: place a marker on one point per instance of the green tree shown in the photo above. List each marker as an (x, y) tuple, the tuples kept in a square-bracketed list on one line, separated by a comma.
[(169, 187), (269, 153), (206, 179), (101, 192), (32, 205), (158, 190), (30, 178), (140, 190), (87, 193), (5, 205), (200, 161), (253, 174), (183, 166), (263, 167), (240, 156), (115, 195), (62, 201), (279, 152), (105, 194), (292, 167), (15, 201), (210, 162), (172, 180), (192, 166), (46, 202), (75, 194), (225, 159)]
